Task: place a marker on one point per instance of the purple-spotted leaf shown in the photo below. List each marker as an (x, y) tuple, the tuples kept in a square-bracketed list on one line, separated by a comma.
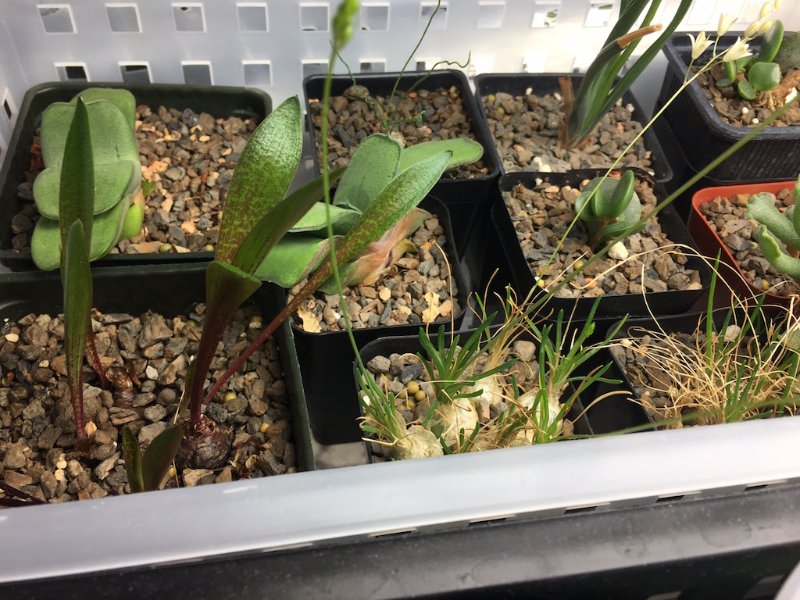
[(133, 460), (159, 456), (263, 175)]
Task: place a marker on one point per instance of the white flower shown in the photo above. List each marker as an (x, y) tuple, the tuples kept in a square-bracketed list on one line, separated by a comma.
[(699, 45), (725, 22), (752, 29), (738, 50)]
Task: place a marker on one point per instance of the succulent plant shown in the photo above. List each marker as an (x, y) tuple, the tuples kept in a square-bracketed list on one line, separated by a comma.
[(609, 207), (751, 75), (779, 234), (118, 206)]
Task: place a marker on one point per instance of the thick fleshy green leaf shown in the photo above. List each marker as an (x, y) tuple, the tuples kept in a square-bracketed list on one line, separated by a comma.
[(464, 152), (133, 460), (122, 99), (771, 42), (776, 256), (292, 259), (372, 167), (764, 76), (76, 277), (402, 194), (315, 220), (132, 224), (159, 456), (112, 181), (275, 223), (745, 89), (263, 175)]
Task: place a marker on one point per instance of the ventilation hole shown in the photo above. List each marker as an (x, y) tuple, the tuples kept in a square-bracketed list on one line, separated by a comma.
[(762, 485), (391, 533), (314, 68), (490, 15), (428, 9), (56, 18), (197, 73), (765, 588), (545, 14), (372, 66), (72, 72), (123, 18), (599, 14), (665, 596), (314, 17), (579, 509), (135, 73), (674, 498), (252, 17), (375, 17), (258, 74), (420, 65), (189, 17), (485, 521), (7, 108)]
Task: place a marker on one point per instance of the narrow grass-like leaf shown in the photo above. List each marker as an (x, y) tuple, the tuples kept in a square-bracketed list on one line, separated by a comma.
[(263, 175), (372, 167), (159, 456), (133, 460)]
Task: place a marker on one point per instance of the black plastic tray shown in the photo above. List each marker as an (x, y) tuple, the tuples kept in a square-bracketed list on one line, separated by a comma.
[(220, 101), (610, 307), (518, 83), (326, 358), (170, 290), (703, 135), (611, 414), (462, 196)]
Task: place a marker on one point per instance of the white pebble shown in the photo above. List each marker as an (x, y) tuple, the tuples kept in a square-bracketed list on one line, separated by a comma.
[(755, 121), (59, 474), (12, 337), (745, 110), (618, 251), (151, 372), (791, 96)]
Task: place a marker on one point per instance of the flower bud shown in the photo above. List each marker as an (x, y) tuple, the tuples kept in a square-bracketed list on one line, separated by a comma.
[(765, 27), (725, 23), (342, 23)]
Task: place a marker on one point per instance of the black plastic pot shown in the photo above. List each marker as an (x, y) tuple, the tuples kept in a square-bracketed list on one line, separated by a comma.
[(462, 196), (169, 290), (609, 415), (220, 101), (326, 358), (703, 135), (610, 307), (517, 84)]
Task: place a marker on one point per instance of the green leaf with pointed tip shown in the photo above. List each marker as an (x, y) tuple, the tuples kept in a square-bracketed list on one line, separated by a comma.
[(292, 259), (77, 280), (764, 76), (112, 182), (106, 229), (133, 460), (464, 152), (402, 194), (275, 223), (730, 70), (771, 42), (159, 456), (122, 99), (315, 220), (372, 167), (745, 90), (260, 180)]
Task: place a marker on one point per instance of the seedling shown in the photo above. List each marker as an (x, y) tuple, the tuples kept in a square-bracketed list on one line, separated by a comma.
[(776, 229), (609, 207), (117, 206), (145, 471)]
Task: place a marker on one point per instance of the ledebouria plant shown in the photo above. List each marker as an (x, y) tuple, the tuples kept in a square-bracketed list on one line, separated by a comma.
[(609, 207)]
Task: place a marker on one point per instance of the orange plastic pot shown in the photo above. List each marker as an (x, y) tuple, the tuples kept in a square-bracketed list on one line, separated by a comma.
[(709, 243)]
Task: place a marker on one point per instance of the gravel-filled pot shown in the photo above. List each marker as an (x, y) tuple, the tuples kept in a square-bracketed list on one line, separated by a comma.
[(523, 113), (704, 134), (402, 291), (394, 362), (532, 213), (189, 140), (426, 106), (719, 223), (147, 322)]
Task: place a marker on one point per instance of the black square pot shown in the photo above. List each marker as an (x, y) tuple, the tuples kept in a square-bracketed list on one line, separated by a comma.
[(462, 196), (220, 101)]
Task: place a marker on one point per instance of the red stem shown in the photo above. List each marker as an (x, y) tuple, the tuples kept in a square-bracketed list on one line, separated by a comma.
[(94, 358)]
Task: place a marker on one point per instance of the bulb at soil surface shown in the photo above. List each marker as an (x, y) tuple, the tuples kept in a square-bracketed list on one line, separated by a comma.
[(418, 443), (491, 394), (449, 419), (527, 401)]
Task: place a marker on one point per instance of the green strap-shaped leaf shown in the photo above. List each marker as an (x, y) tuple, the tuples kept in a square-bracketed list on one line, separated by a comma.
[(159, 456), (273, 225), (464, 152), (401, 195), (263, 175), (372, 167), (77, 279), (315, 220), (76, 191), (771, 42), (292, 259), (133, 460)]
